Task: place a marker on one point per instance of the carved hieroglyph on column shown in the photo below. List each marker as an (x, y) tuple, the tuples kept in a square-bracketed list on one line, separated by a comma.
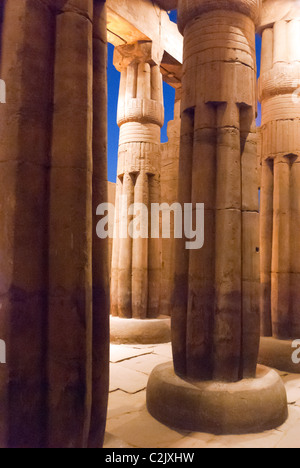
[(216, 313), (279, 92), (136, 262)]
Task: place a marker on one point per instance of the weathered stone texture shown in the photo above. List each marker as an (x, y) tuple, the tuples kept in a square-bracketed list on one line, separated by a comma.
[(279, 94), (136, 263), (215, 308), (54, 275)]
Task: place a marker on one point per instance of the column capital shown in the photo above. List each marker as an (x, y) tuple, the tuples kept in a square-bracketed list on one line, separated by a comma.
[(280, 59), (277, 10), (190, 9), (139, 52), (141, 88)]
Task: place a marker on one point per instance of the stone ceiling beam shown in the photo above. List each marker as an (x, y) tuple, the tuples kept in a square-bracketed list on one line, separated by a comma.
[(130, 21)]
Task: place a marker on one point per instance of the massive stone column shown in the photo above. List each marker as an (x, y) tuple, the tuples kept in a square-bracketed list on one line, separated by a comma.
[(215, 317), (279, 93), (136, 262), (54, 272)]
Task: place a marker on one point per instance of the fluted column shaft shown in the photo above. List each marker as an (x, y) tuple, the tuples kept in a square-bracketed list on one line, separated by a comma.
[(54, 270), (215, 313), (136, 264)]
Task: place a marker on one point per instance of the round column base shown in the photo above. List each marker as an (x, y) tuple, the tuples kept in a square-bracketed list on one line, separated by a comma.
[(278, 354), (248, 406), (134, 331)]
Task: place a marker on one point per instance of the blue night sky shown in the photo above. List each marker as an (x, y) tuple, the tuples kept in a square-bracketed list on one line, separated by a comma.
[(169, 97)]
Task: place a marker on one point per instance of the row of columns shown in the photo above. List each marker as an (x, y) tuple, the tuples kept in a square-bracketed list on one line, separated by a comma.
[(280, 210), (218, 118), (54, 271)]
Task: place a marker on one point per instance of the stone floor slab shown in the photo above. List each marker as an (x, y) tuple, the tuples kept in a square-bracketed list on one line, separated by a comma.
[(292, 385), (130, 425), (141, 430), (120, 403), (126, 379), (146, 363), (164, 350), (122, 353)]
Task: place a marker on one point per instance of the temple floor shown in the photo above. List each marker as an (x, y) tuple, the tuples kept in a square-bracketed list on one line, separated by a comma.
[(129, 425)]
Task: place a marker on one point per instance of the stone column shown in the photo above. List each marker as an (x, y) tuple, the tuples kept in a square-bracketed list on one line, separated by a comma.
[(100, 247), (136, 263), (54, 311), (25, 122), (169, 195), (279, 94), (215, 319)]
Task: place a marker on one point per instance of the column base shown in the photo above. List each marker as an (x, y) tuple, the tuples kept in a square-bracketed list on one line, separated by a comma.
[(134, 331), (248, 406), (278, 354)]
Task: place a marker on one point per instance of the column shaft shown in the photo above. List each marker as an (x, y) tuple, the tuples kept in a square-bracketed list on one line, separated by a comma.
[(125, 252), (70, 235), (281, 251), (212, 332), (266, 240), (200, 321), (115, 253), (228, 247), (140, 250), (140, 116), (25, 123), (154, 255), (181, 284), (100, 259)]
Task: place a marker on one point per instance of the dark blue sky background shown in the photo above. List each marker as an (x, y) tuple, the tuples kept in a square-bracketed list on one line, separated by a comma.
[(113, 91)]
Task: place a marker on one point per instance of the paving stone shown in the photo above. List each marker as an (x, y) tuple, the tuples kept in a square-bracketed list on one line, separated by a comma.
[(130, 425), (145, 364), (293, 419), (120, 403), (164, 350), (121, 353), (126, 379), (292, 385), (291, 438), (266, 439), (141, 430), (195, 440), (110, 441)]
